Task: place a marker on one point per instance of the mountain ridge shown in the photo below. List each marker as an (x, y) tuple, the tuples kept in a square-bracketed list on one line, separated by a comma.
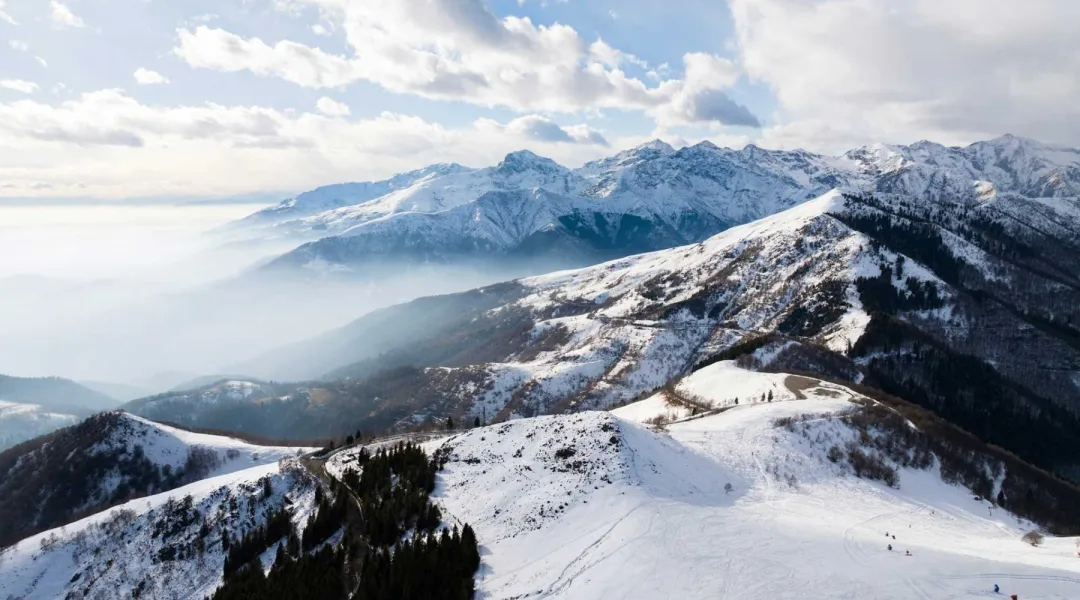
[(687, 194), (851, 286)]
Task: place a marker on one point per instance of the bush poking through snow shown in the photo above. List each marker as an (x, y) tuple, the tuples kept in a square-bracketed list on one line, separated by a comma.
[(870, 466), (1034, 538)]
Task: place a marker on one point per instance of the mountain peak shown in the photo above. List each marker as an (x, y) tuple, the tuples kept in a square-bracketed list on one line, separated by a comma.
[(523, 160), (705, 145), (656, 145)]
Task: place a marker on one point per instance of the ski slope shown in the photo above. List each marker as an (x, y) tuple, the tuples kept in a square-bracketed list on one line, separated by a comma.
[(647, 515)]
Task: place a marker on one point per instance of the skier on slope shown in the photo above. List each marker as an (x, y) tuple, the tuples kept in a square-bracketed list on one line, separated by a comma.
[(890, 547), (996, 589)]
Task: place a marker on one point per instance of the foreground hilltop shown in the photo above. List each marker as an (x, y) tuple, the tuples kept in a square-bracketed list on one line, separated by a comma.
[(760, 499), (731, 483)]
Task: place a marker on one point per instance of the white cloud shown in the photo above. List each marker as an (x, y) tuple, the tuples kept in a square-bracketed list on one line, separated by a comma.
[(543, 129), (319, 29), (601, 52), (62, 16), (701, 97), (90, 146), (19, 45), (331, 107), (18, 85), (458, 50), (41, 61), (220, 50), (903, 70), (660, 73), (148, 77), (4, 16)]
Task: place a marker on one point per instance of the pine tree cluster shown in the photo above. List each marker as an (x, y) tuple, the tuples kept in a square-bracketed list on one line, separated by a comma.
[(319, 575), (394, 550), (246, 549), (393, 489), (422, 568), (328, 518)]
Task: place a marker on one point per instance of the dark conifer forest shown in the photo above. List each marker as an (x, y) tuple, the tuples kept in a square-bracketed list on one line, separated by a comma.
[(392, 544)]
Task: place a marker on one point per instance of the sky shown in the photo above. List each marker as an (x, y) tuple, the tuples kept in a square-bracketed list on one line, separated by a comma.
[(213, 98)]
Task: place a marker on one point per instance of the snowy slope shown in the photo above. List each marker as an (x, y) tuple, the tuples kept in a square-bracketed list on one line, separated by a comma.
[(165, 445), (595, 506), (331, 197), (107, 459), (21, 422), (119, 552), (619, 329)]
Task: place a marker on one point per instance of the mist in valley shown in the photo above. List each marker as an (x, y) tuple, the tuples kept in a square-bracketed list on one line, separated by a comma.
[(155, 296)]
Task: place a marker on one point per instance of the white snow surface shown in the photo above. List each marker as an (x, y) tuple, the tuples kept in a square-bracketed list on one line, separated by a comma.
[(632, 513)]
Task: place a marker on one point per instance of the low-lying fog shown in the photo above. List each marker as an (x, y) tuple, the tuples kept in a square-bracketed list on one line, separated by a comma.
[(147, 295)]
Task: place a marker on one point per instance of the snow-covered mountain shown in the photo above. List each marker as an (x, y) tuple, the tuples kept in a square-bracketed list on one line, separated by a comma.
[(335, 196), (33, 406), (21, 422), (802, 487), (646, 198), (174, 405), (105, 460), (985, 294), (1006, 164), (56, 394)]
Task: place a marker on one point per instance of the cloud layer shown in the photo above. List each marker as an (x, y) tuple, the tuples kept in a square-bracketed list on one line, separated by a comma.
[(825, 75), (116, 146), (458, 50), (845, 71)]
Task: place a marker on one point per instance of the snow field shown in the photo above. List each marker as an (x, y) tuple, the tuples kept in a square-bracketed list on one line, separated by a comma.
[(792, 525)]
